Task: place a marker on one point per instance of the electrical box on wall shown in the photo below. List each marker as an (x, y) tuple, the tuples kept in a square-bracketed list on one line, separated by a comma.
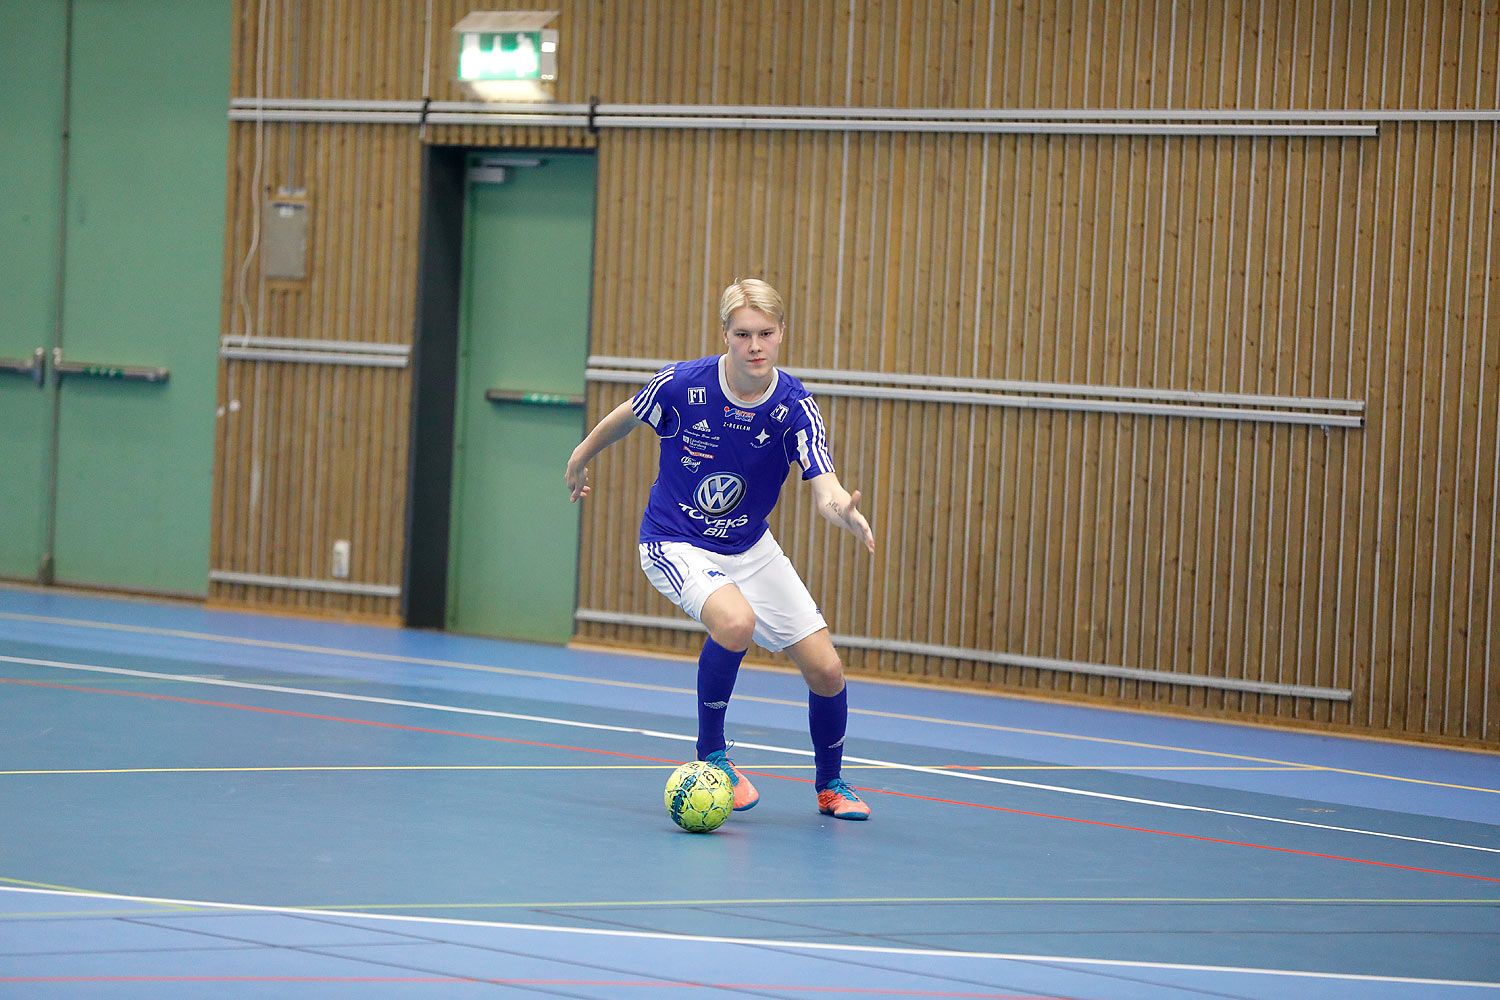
[(284, 237)]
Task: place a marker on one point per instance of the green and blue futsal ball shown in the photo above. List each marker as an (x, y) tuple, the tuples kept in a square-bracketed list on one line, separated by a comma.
[(699, 796)]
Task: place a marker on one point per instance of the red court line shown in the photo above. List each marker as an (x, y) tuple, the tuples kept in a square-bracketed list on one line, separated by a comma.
[(664, 760), (1189, 836), (334, 718)]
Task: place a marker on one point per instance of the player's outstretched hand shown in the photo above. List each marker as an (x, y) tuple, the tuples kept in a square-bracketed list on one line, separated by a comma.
[(856, 522), (578, 483)]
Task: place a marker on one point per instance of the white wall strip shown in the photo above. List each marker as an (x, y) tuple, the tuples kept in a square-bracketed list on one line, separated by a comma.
[(1004, 659), (653, 365), (327, 352), (948, 126), (301, 343), (1041, 402), (719, 115), (1053, 114), (302, 583), (312, 357)]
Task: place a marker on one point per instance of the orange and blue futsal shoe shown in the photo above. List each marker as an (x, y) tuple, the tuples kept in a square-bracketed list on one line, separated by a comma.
[(839, 801), (745, 795)]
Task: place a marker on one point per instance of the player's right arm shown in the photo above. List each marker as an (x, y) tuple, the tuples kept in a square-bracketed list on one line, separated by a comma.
[(614, 427)]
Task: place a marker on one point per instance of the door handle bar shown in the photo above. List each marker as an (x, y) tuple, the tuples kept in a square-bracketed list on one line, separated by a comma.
[(34, 367), (532, 398), (92, 369)]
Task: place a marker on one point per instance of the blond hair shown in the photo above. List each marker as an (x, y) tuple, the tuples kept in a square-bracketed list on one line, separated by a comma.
[(755, 294)]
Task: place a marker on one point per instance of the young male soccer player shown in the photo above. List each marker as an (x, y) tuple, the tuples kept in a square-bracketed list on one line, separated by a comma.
[(731, 426)]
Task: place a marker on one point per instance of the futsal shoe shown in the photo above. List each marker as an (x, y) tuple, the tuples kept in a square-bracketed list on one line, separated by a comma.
[(839, 801), (745, 795)]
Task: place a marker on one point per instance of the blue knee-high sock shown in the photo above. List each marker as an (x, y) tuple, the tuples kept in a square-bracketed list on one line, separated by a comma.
[(827, 718), (717, 669)]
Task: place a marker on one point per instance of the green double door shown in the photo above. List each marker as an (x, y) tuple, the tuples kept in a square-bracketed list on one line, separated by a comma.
[(111, 251), (523, 348)]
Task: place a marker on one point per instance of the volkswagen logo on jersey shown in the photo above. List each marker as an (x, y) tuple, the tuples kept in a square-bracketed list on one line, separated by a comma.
[(719, 493)]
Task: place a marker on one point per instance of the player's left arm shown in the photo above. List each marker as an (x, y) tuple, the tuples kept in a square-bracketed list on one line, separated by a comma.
[(840, 507)]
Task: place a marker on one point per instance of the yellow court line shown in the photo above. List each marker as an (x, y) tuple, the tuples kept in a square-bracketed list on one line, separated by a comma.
[(779, 901), (517, 672), (1230, 768), (43, 885), (874, 900), (82, 892), (594, 767), (69, 914), (352, 767)]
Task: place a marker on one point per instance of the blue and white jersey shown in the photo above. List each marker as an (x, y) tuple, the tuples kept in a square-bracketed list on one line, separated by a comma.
[(723, 460)]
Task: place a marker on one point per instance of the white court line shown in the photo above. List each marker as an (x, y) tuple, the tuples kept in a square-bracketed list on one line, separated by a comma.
[(753, 942), (358, 654), (657, 734)]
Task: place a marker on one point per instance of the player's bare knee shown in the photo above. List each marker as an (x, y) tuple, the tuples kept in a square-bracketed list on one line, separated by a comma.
[(734, 632), (825, 679)]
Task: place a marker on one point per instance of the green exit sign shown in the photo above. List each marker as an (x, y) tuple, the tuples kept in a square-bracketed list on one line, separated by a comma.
[(501, 55), (506, 46)]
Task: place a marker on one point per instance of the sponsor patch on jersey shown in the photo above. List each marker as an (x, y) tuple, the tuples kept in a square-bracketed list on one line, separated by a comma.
[(760, 440), (733, 413), (719, 493), (698, 454), (697, 395), (691, 463), (702, 426)]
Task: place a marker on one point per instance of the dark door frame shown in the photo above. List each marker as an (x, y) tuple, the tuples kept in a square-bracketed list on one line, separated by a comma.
[(434, 358)]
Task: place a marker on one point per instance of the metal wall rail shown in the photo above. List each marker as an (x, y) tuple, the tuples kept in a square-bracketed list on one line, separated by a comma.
[(1006, 659), (411, 111), (1268, 413), (1303, 115), (654, 365), (303, 583), (949, 126), (754, 117), (327, 352)]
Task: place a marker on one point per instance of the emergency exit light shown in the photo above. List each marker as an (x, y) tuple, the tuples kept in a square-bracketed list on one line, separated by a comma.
[(507, 55)]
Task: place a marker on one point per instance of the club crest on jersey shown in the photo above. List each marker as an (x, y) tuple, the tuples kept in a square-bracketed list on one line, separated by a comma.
[(697, 394), (719, 493), (779, 414)]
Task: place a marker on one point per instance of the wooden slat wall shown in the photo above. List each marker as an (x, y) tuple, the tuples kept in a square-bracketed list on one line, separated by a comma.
[(1351, 268), (310, 453)]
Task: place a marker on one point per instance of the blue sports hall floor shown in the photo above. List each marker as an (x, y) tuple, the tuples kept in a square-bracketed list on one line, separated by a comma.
[(197, 803)]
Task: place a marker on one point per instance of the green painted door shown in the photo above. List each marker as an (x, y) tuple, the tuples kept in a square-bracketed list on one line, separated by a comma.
[(31, 127), (142, 286), (113, 475), (523, 341)]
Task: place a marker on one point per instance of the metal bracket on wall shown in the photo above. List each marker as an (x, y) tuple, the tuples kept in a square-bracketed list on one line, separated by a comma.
[(34, 367), (94, 369)]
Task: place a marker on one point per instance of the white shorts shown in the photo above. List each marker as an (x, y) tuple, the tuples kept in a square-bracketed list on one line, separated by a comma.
[(785, 612)]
